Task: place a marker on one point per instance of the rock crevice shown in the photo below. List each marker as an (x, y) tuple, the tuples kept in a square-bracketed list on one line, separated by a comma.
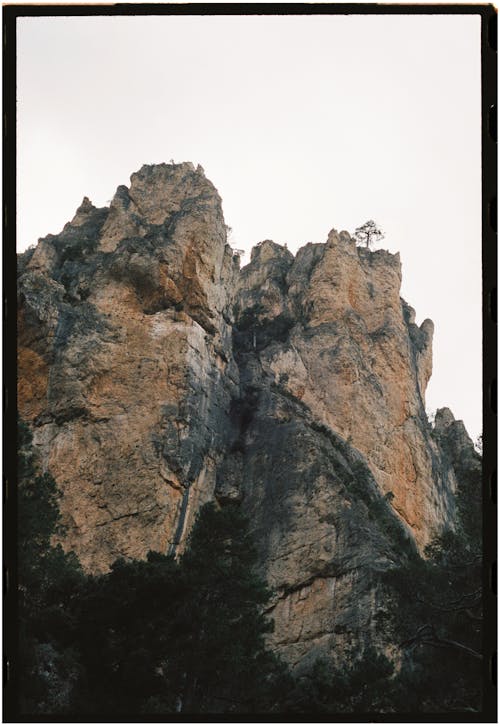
[(156, 376)]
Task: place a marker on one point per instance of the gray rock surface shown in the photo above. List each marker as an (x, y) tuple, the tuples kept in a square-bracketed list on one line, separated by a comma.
[(125, 362), (157, 376)]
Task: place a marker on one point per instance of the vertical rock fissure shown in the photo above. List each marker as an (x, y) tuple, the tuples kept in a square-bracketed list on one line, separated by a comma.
[(179, 530), (253, 371)]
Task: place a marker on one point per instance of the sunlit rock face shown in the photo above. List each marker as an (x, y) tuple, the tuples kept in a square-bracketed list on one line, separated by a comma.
[(125, 364), (333, 373), (157, 376), (332, 331)]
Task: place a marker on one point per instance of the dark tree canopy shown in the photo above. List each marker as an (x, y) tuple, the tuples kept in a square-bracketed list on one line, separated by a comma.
[(188, 635), (163, 636), (47, 581), (435, 607)]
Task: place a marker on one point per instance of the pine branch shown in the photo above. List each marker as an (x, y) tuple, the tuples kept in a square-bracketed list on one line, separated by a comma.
[(455, 605), (426, 635)]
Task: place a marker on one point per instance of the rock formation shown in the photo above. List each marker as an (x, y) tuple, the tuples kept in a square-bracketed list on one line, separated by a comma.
[(125, 364), (157, 376)]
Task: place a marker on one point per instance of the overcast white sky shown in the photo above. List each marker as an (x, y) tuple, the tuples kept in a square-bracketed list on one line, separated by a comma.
[(302, 123)]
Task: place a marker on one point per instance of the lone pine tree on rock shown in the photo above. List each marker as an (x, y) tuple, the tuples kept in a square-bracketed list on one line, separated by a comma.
[(368, 233), (148, 289)]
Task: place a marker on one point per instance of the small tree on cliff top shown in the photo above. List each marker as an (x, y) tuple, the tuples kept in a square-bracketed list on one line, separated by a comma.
[(368, 233)]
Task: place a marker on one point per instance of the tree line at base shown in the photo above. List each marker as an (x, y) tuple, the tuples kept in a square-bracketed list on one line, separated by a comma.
[(188, 635)]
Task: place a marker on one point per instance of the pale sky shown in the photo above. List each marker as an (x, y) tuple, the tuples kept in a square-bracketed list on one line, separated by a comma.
[(303, 123)]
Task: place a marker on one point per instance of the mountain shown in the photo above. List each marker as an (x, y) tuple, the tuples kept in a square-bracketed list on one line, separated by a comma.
[(156, 376)]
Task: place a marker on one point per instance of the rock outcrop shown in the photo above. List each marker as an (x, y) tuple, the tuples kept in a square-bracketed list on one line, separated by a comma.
[(157, 376), (340, 471), (125, 362), (330, 330)]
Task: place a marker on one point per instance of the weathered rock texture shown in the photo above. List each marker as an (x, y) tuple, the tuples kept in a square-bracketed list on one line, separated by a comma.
[(125, 364), (331, 330), (156, 376)]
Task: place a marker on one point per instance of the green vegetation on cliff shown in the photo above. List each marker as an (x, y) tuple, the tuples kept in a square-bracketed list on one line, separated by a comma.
[(180, 637), (187, 636), (48, 582)]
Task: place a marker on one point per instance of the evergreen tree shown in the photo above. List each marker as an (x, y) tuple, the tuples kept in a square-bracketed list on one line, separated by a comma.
[(362, 685), (47, 580), (129, 635), (165, 637), (226, 666), (368, 233), (435, 607)]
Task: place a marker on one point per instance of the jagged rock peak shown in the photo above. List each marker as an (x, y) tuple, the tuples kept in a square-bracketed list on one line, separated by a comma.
[(170, 178), (85, 206), (157, 195), (156, 376), (444, 418), (446, 426), (82, 214), (342, 238), (267, 249)]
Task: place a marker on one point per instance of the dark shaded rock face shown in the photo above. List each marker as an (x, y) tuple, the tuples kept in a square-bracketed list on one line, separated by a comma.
[(157, 376)]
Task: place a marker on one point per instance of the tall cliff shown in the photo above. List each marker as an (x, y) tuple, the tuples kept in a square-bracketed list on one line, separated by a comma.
[(125, 365), (156, 375)]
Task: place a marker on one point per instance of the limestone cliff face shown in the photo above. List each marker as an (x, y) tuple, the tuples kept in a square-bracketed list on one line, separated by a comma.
[(125, 364), (340, 471), (331, 330), (156, 376)]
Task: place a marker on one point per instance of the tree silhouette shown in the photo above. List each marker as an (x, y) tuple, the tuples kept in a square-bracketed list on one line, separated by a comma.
[(48, 577), (368, 233), (435, 605), (187, 637)]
